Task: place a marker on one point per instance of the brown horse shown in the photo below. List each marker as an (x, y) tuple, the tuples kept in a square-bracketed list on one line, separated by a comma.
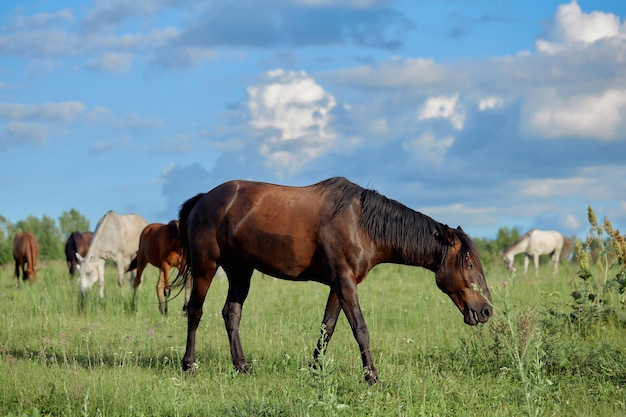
[(159, 245), (77, 243), (333, 232), (25, 253)]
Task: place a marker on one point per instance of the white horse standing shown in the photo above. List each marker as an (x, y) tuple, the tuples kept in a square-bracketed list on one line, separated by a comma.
[(116, 238), (536, 243)]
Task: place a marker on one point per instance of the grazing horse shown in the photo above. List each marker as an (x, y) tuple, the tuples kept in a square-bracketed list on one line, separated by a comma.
[(116, 238), (333, 232), (536, 243), (25, 253), (77, 243), (159, 245)]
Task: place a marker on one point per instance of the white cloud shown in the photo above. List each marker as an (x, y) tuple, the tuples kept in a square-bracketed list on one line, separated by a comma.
[(428, 147), (490, 103), (42, 19), (17, 133), (590, 183), (364, 4), (586, 116), (571, 26), (117, 63), (59, 112), (296, 111), (442, 107), (551, 188), (395, 72)]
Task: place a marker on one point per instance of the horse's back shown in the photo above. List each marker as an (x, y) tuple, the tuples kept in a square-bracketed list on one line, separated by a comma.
[(77, 242), (160, 243), (118, 234), (276, 229), (26, 249), (545, 241)]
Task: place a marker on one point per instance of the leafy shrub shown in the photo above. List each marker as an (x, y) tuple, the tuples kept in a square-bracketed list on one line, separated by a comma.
[(599, 293)]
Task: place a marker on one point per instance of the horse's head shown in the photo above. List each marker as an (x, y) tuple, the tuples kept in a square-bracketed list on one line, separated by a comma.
[(91, 270), (508, 261), (461, 276)]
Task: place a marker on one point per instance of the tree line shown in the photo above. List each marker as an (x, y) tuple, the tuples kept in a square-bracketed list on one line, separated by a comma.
[(50, 233)]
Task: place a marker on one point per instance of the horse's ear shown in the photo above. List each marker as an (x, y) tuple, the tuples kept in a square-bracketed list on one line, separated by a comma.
[(449, 235), (459, 228)]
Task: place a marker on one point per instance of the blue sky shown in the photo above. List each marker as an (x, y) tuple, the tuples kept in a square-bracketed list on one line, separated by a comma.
[(479, 113)]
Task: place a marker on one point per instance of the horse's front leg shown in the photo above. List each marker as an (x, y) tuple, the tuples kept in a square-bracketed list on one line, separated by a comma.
[(238, 288), (349, 301), (526, 262), (17, 275), (100, 267), (331, 314)]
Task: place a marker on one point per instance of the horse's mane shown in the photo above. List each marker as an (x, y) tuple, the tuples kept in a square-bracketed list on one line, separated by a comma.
[(519, 240), (411, 234)]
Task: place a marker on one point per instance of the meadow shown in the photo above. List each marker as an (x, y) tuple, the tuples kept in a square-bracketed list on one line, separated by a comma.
[(105, 358)]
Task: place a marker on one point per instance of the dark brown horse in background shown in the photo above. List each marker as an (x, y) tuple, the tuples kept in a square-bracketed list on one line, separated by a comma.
[(25, 253), (159, 245), (333, 232), (77, 243)]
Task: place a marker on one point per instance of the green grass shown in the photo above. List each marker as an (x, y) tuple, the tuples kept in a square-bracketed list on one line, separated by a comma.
[(110, 360)]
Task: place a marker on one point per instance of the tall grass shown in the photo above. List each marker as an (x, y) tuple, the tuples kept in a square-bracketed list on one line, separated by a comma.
[(109, 359)]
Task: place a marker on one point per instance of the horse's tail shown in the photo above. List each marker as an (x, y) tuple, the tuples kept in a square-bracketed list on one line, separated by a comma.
[(133, 264), (184, 272), (567, 248)]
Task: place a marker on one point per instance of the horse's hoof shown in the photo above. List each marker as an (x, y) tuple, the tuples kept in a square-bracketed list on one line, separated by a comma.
[(190, 368), (243, 368), (371, 377)]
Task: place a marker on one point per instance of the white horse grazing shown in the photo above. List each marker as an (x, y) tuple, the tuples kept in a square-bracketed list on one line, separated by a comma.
[(535, 243), (116, 238)]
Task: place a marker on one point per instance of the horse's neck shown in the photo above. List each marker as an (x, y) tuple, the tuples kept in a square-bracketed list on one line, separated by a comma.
[(519, 247), (428, 256)]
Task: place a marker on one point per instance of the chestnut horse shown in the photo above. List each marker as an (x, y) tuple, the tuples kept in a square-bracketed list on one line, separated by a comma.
[(159, 245), (333, 232), (25, 254), (77, 243)]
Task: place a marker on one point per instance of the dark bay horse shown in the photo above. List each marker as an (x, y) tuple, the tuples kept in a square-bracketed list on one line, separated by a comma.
[(333, 232), (77, 243), (25, 254), (159, 245)]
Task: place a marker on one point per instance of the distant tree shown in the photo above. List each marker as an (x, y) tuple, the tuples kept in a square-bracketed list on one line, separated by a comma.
[(6, 241), (490, 249), (51, 245), (506, 236), (72, 221)]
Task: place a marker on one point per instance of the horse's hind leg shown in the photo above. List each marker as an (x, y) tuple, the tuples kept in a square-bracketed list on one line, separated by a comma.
[(238, 288), (331, 314), (556, 258), (162, 286), (202, 278), (536, 262)]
